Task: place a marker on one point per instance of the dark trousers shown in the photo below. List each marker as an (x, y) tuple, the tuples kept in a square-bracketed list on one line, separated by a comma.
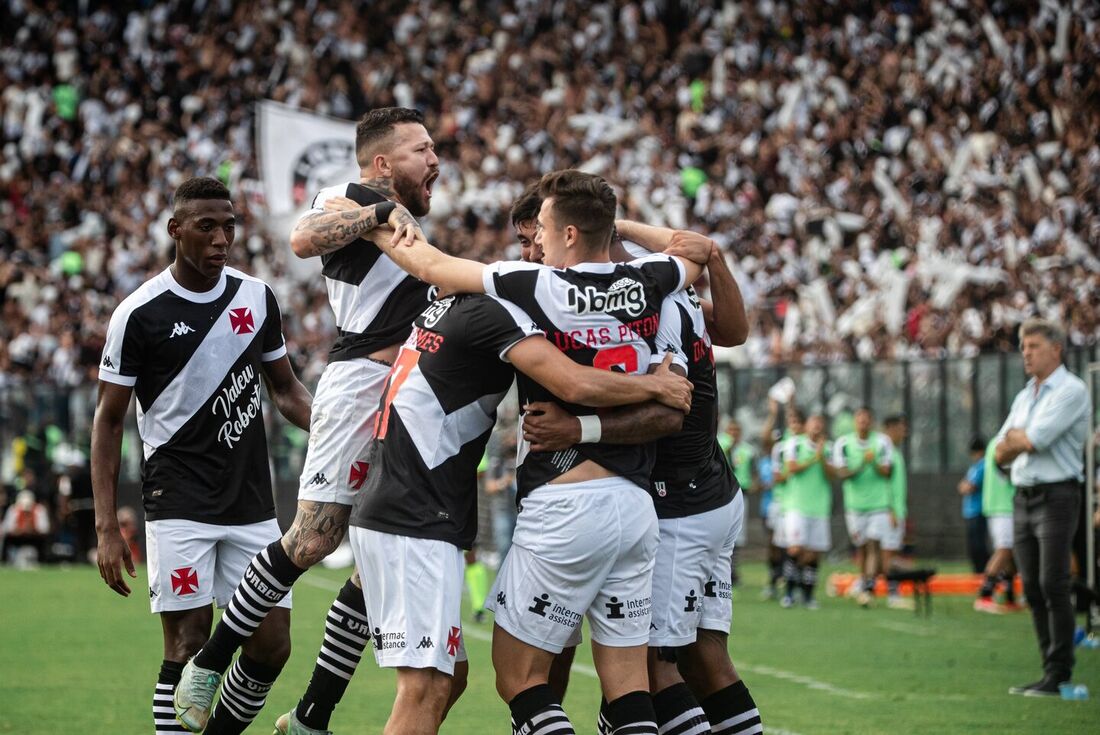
[(977, 543), (1045, 518)]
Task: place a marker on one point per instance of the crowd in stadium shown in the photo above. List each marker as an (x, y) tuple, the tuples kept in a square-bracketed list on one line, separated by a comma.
[(912, 179)]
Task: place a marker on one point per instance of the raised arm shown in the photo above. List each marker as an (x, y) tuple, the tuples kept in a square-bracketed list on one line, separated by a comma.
[(727, 322), (422, 260), (287, 392), (113, 552), (343, 221), (654, 239)]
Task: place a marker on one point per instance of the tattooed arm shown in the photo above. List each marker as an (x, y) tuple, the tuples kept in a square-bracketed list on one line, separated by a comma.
[(343, 221), (317, 530)]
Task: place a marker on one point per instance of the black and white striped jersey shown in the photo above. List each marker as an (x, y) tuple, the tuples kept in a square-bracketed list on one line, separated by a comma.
[(691, 474), (374, 301), (194, 362), (436, 415), (604, 315)]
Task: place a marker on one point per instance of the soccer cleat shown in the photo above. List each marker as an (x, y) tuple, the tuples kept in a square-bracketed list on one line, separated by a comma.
[(1012, 607), (787, 601), (987, 605), (288, 724), (768, 593), (897, 602), (1046, 687), (194, 696), (812, 604), (864, 598)]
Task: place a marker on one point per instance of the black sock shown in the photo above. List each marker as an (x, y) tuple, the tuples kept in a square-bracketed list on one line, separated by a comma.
[(809, 580), (989, 582), (1010, 586), (164, 714), (537, 711), (603, 725), (732, 711), (346, 635), (244, 691), (678, 712), (792, 574), (776, 565), (632, 714), (267, 580)]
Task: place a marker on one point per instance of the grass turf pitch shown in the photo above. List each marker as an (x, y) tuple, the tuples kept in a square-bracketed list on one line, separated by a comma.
[(75, 657)]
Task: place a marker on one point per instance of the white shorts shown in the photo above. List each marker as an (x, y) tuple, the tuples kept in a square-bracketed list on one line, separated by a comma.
[(192, 564), (579, 549), (687, 555), (1000, 531), (864, 527), (341, 426), (894, 537), (718, 591), (413, 591), (779, 526), (807, 532)]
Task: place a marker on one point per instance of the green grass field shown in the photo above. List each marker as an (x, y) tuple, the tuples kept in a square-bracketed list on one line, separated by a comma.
[(75, 658)]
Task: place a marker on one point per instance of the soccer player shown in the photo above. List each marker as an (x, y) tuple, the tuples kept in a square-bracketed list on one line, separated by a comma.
[(742, 458), (193, 344), (418, 509), (809, 501), (375, 304), (896, 428), (700, 511), (997, 498), (779, 563), (862, 460), (586, 534)]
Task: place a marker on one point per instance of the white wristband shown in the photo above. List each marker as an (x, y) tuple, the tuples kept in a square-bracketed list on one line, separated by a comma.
[(591, 429)]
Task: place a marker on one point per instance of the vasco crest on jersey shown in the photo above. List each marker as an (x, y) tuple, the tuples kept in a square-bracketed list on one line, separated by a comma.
[(625, 294)]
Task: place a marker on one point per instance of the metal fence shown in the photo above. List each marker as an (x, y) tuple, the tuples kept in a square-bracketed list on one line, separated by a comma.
[(947, 401)]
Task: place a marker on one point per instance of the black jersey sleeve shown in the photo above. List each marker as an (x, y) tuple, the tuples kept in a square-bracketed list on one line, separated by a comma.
[(666, 271), (274, 344), (497, 326), (516, 282), (123, 352)]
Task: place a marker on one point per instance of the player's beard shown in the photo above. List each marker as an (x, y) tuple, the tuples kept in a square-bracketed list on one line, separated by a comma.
[(411, 194)]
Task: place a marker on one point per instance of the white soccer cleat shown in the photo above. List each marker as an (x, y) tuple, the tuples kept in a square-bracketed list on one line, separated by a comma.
[(194, 696), (288, 724)]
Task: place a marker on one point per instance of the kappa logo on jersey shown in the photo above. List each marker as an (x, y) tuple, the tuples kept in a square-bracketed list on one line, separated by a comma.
[(358, 474), (185, 581), (107, 362), (625, 294), (502, 599), (435, 312), (241, 320), (453, 639), (179, 330)]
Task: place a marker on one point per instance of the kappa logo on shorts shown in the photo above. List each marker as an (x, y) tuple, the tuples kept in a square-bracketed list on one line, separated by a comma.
[(185, 581), (690, 599), (541, 603), (240, 320), (614, 609), (358, 474), (708, 589), (502, 599), (425, 642), (453, 640), (318, 479)]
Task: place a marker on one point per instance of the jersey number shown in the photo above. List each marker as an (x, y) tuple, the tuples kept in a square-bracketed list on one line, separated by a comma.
[(406, 361), (624, 357)]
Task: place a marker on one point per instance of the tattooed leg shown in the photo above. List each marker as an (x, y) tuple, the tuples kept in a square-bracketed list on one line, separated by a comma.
[(317, 530)]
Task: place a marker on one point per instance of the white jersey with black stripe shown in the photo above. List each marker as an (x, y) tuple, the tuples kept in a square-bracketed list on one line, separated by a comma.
[(375, 302), (194, 361)]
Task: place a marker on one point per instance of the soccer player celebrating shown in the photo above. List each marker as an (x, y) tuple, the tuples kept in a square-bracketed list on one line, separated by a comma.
[(375, 304), (193, 344), (809, 506), (418, 509), (587, 533), (862, 460)]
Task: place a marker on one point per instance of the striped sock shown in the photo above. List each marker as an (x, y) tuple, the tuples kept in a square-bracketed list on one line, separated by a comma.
[(536, 711), (244, 692), (267, 580), (632, 714), (792, 574), (678, 713), (346, 634), (732, 711), (164, 714), (809, 580), (603, 725)]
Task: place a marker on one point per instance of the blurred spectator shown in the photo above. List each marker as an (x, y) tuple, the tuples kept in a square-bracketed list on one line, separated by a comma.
[(970, 488), (26, 529)]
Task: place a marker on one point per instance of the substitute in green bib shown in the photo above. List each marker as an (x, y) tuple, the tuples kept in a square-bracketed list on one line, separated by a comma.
[(997, 498), (863, 460), (809, 505)]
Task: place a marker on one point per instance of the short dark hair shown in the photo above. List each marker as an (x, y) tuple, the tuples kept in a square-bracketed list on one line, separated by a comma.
[(199, 187), (526, 207), (585, 201), (377, 125), (798, 412), (868, 409), (977, 444), (894, 420)]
